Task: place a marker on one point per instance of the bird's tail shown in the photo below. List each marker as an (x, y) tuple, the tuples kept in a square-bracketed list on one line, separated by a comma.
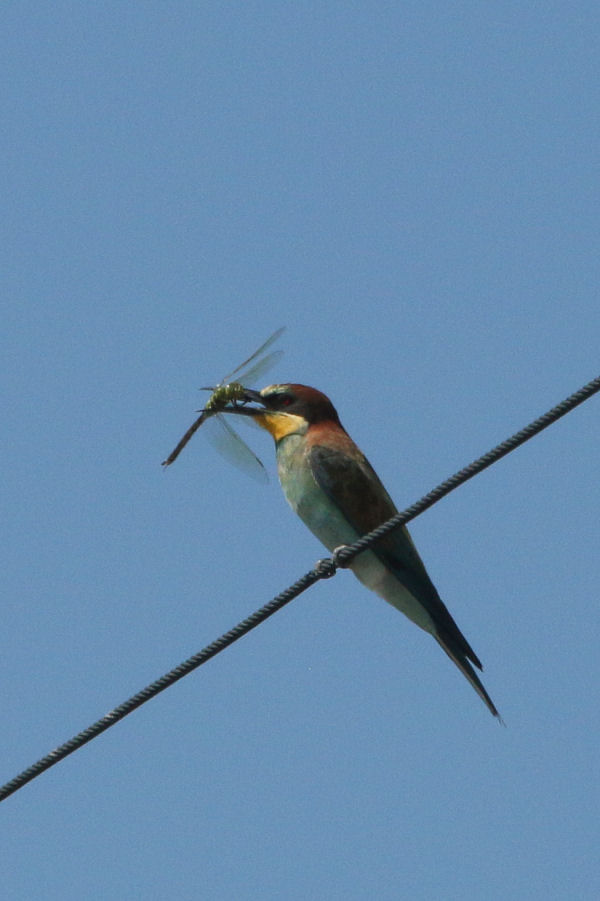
[(459, 658)]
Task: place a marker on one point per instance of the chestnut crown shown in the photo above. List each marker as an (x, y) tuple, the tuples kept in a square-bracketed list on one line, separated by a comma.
[(299, 400)]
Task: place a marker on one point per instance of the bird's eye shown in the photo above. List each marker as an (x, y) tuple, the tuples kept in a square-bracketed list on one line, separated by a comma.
[(285, 400)]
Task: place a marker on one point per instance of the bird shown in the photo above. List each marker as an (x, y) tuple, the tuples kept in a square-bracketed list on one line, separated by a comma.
[(335, 491)]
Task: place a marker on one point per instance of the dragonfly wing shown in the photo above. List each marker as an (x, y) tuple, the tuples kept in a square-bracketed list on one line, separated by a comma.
[(229, 444), (249, 376), (257, 353)]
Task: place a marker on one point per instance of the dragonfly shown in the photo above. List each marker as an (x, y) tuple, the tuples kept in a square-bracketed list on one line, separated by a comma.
[(229, 393)]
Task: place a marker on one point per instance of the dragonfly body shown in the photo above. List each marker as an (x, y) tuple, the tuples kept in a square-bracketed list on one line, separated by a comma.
[(223, 395)]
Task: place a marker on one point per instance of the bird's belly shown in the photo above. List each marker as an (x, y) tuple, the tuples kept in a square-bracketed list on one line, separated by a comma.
[(325, 521)]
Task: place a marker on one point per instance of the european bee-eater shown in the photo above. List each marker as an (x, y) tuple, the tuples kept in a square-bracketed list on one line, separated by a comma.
[(333, 488)]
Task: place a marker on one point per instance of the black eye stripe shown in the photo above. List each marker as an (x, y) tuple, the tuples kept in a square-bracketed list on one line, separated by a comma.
[(280, 400)]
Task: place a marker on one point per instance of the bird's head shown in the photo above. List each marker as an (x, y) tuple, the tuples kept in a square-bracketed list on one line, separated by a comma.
[(289, 409)]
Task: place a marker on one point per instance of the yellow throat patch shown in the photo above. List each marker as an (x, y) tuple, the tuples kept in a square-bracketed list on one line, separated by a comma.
[(282, 424)]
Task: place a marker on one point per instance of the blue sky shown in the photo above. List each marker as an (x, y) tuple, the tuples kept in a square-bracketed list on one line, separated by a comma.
[(412, 190)]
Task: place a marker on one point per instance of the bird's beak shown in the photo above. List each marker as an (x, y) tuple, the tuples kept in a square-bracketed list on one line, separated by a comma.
[(278, 423), (251, 396)]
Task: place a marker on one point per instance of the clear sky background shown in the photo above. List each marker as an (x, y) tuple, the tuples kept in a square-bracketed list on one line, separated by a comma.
[(412, 189)]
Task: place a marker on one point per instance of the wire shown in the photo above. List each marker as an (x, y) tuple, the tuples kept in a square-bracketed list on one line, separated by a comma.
[(324, 569), (343, 556)]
